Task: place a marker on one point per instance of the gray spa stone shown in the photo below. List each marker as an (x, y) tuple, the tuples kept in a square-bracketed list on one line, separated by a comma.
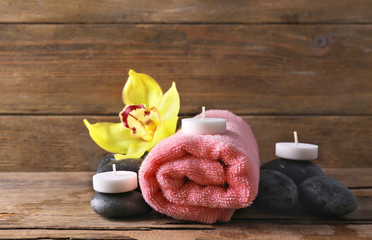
[(276, 191), (130, 164), (120, 205), (327, 196), (298, 171)]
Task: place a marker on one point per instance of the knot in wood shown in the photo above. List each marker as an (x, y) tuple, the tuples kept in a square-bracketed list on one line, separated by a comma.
[(321, 41)]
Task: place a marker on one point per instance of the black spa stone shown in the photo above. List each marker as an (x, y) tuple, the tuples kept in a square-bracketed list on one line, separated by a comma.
[(130, 164), (120, 205), (297, 170), (276, 191), (326, 196)]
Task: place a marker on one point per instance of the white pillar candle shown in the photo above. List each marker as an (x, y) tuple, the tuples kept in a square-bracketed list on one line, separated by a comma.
[(296, 150), (204, 125), (115, 181)]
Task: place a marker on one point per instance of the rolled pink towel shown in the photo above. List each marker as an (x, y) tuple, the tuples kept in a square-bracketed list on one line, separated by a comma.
[(203, 177)]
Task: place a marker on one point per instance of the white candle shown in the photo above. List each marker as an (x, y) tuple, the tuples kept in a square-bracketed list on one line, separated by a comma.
[(296, 150), (204, 125), (115, 181)]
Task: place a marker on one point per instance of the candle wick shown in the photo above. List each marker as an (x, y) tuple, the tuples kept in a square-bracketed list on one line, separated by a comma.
[(114, 169), (295, 137), (203, 112)]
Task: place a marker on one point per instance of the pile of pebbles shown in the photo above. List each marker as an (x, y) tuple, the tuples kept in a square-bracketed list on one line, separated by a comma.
[(289, 184), (120, 205)]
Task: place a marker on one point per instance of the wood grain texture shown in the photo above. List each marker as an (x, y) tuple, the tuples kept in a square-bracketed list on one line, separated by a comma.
[(56, 204), (353, 177), (62, 143), (248, 69), (244, 230), (185, 11)]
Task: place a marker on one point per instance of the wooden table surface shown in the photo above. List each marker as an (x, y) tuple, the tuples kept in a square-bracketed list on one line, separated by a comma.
[(281, 65), (57, 205)]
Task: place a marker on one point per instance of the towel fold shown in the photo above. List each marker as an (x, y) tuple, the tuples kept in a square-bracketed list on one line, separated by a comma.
[(203, 177)]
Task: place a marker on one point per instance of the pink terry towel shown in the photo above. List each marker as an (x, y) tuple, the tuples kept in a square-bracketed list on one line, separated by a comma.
[(203, 177)]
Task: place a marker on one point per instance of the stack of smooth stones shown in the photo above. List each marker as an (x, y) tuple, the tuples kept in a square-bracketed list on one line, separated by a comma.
[(294, 182), (118, 196)]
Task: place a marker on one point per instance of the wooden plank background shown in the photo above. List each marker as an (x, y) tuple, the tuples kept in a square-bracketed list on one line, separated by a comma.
[(282, 66), (185, 11), (290, 69)]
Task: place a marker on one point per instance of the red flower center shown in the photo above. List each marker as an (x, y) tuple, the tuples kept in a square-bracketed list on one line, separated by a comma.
[(142, 121)]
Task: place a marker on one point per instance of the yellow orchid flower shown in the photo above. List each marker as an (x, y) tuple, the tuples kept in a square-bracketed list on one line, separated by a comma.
[(148, 117)]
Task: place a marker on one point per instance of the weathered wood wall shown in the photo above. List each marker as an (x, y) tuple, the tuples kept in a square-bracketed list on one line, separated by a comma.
[(282, 66)]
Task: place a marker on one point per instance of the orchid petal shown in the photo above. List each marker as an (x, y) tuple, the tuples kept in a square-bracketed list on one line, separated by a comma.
[(170, 103), (141, 89), (135, 151), (112, 137), (165, 129)]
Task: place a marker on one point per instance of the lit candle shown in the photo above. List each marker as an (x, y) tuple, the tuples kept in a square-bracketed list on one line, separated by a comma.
[(204, 125), (295, 150), (115, 181)]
